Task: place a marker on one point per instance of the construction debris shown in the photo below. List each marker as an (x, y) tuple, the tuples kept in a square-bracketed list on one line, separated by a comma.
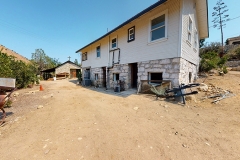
[(215, 92)]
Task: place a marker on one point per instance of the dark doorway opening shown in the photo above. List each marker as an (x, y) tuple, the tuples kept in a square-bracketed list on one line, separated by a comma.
[(134, 77), (104, 76)]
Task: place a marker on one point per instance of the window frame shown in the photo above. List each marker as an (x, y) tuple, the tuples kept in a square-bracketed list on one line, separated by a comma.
[(84, 56), (99, 51), (150, 41), (195, 39), (115, 42), (189, 30), (150, 77), (114, 77), (96, 76), (129, 34)]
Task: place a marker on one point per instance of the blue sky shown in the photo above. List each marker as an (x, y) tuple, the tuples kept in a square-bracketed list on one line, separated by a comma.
[(60, 27)]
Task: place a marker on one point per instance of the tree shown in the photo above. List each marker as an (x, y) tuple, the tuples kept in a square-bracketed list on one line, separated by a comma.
[(210, 47), (220, 18), (76, 62), (42, 61)]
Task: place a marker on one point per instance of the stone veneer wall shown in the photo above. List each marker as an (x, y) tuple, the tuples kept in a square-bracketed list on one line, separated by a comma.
[(186, 68), (98, 71), (124, 71), (233, 63), (66, 68), (174, 69)]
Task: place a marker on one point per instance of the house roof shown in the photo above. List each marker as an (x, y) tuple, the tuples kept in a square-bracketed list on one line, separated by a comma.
[(128, 21), (202, 16), (202, 9), (234, 38), (53, 69)]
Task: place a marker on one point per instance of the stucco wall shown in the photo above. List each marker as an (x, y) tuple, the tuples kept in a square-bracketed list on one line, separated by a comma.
[(66, 68)]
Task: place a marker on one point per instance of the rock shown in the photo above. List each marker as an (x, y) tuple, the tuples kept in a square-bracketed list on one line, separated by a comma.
[(165, 106), (40, 106), (16, 94), (203, 87), (46, 152), (135, 108), (80, 138), (184, 145), (190, 98)]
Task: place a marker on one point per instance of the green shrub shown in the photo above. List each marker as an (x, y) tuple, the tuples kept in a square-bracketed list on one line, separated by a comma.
[(225, 71), (22, 72), (211, 60)]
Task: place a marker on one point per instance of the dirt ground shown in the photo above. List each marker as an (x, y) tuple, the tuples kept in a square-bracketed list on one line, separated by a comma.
[(85, 123)]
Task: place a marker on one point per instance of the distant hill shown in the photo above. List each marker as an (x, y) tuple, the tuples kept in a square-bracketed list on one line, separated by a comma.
[(9, 52)]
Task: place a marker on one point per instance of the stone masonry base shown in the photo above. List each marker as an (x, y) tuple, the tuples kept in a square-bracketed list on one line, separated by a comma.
[(177, 70)]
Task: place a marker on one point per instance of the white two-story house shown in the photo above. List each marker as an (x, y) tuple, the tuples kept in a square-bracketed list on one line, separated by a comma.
[(159, 43)]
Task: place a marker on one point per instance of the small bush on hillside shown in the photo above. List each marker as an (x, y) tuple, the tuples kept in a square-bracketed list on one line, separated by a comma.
[(211, 60)]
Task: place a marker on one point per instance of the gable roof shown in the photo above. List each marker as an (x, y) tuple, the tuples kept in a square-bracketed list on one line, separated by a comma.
[(126, 22), (202, 9), (53, 69)]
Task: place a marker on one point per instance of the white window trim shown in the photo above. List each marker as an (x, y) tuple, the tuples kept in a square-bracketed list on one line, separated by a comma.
[(196, 41), (114, 77), (166, 28), (189, 42), (129, 35), (84, 56), (116, 42), (96, 51), (96, 77)]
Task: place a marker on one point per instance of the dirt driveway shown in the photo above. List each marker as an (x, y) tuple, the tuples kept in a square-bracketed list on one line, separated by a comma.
[(80, 123)]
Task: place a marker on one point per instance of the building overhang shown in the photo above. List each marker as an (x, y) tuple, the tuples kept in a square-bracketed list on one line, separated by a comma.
[(160, 2), (202, 16)]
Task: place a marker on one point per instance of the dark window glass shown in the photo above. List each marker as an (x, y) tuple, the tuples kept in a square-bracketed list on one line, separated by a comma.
[(158, 33), (98, 51), (158, 22)]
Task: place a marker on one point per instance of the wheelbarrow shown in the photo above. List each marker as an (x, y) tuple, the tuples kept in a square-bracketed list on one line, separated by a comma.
[(7, 87)]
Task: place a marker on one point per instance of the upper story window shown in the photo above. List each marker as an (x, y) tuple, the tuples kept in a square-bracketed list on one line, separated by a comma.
[(114, 43), (158, 27), (195, 40), (84, 56), (190, 24), (98, 50), (131, 34)]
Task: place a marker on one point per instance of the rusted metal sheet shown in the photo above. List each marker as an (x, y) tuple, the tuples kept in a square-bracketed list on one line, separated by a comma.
[(7, 83)]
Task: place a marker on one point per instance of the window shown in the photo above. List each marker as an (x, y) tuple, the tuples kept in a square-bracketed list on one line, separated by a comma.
[(114, 43), (115, 76), (84, 56), (158, 27), (96, 76), (98, 51), (190, 77), (155, 77), (131, 34), (196, 40), (190, 30)]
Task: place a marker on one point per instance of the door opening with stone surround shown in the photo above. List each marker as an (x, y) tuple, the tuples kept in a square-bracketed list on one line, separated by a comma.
[(134, 76)]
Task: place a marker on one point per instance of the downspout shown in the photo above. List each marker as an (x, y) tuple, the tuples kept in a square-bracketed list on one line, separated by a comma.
[(107, 70)]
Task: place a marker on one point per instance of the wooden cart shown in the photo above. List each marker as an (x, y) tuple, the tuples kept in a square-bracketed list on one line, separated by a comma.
[(7, 87)]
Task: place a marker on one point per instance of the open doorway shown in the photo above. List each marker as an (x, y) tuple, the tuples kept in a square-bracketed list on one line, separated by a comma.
[(134, 77), (104, 76)]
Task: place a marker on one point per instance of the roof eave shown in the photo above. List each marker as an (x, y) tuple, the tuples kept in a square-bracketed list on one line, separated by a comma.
[(160, 2), (202, 12)]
